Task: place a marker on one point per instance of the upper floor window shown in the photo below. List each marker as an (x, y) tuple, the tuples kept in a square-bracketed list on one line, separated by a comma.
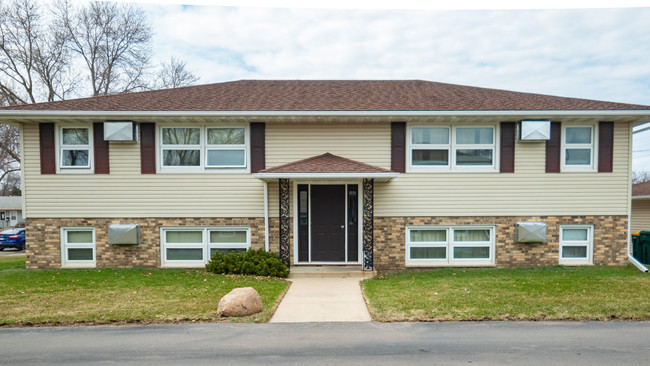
[(204, 147), (578, 148), (181, 146), (75, 147), (453, 148), (226, 147)]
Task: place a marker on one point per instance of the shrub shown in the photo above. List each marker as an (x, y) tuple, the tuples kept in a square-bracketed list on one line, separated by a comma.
[(252, 262)]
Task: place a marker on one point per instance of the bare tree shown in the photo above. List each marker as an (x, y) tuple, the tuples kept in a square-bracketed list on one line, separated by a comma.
[(640, 177), (34, 60), (9, 158), (44, 50), (114, 42), (174, 74)]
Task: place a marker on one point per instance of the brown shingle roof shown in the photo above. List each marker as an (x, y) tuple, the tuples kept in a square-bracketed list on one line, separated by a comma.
[(641, 189), (326, 163), (327, 95)]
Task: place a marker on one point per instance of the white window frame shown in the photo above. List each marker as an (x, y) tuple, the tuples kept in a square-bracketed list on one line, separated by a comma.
[(65, 262), (246, 245), (589, 243), (203, 147), (163, 147), (450, 244), (242, 147), (452, 147), (205, 245), (61, 148), (593, 147)]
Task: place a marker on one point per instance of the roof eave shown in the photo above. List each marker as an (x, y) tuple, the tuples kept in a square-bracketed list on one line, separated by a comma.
[(76, 113), (380, 177)]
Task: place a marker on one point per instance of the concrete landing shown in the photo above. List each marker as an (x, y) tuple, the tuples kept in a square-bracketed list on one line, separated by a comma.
[(323, 300), (329, 271)]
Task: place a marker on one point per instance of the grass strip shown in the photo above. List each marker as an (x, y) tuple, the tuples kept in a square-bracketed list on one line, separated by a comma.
[(120, 296), (540, 293)]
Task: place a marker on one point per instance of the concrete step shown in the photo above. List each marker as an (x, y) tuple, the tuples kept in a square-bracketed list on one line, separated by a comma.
[(329, 272)]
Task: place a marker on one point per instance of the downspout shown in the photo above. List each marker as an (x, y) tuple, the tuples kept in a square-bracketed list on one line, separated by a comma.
[(630, 257), (266, 216)]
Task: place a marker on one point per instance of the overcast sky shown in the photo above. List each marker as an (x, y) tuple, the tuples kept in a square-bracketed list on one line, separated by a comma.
[(597, 53)]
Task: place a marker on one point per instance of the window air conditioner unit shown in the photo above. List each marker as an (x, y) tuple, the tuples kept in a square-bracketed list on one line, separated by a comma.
[(124, 234), (533, 130), (123, 131)]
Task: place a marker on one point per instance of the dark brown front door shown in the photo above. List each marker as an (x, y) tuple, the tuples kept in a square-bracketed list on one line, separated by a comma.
[(328, 223)]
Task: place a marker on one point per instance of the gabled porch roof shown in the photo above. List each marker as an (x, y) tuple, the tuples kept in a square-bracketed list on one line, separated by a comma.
[(326, 166)]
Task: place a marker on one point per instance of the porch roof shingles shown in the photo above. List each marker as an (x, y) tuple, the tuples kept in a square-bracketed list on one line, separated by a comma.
[(326, 95), (325, 163)]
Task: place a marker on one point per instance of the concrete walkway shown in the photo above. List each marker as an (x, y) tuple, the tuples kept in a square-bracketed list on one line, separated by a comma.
[(323, 300)]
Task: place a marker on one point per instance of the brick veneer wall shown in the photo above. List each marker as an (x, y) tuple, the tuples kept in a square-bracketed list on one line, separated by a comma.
[(44, 239), (610, 239)]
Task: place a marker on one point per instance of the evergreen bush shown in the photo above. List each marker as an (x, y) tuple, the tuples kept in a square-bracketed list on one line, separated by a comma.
[(252, 262)]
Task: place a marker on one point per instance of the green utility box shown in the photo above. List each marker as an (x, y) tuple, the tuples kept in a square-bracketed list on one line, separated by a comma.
[(641, 247)]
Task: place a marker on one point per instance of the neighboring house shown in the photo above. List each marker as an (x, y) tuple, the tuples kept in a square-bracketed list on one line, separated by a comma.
[(640, 219), (383, 175), (11, 211)]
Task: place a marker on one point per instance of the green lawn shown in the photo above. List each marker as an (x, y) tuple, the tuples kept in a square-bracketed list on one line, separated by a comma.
[(542, 293), (120, 296)]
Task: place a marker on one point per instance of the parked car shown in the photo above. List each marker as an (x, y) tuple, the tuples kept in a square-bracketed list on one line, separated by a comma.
[(12, 238)]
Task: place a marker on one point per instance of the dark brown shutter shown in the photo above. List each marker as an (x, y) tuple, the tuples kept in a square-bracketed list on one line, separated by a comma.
[(605, 147), (46, 137), (553, 148), (398, 147), (257, 147), (148, 148), (100, 149), (507, 153)]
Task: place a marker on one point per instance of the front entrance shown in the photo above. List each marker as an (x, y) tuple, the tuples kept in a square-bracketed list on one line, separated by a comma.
[(328, 223)]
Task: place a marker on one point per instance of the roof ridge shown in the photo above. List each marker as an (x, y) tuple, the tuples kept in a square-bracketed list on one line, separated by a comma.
[(328, 95)]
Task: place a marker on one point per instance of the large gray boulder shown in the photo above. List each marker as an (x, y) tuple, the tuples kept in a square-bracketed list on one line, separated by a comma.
[(240, 302)]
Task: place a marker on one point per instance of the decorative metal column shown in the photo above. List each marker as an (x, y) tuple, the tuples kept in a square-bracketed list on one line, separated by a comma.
[(284, 221), (368, 218)]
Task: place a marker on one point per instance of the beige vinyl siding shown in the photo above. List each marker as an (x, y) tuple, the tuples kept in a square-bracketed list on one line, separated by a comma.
[(127, 193), (640, 220), (274, 199), (528, 191), (365, 142)]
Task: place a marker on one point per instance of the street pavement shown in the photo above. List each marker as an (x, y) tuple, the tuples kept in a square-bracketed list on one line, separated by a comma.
[(8, 252), (362, 343)]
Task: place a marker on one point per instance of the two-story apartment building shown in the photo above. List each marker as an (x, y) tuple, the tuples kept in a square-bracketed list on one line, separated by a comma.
[(384, 175)]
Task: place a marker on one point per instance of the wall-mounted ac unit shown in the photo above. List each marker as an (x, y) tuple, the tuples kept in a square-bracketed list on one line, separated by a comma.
[(530, 232), (124, 234), (534, 130), (122, 131)]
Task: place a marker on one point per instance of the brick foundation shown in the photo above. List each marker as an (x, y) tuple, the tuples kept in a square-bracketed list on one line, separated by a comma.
[(610, 239), (44, 239)]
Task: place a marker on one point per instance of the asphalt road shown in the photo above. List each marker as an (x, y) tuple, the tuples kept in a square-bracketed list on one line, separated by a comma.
[(484, 343)]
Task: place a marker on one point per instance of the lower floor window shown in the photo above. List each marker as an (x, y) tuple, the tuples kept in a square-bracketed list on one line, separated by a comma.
[(195, 245), (455, 245), (576, 244), (78, 247)]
